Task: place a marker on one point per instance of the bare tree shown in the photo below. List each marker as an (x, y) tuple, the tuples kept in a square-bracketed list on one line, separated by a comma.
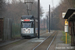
[(18, 8), (57, 22), (2, 4)]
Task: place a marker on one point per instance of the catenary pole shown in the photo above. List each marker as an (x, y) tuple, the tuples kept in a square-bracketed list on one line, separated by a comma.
[(49, 18), (38, 18)]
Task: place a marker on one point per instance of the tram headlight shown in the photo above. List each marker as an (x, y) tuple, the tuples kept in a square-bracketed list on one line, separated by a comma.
[(26, 30)]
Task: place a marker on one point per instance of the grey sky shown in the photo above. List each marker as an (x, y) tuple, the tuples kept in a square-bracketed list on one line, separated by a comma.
[(45, 5)]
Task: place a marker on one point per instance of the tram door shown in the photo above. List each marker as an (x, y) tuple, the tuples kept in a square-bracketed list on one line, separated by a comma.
[(1, 28)]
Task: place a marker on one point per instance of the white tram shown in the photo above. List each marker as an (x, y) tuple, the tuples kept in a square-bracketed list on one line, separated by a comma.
[(28, 26)]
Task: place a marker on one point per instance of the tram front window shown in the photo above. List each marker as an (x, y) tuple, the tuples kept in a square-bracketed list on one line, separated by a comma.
[(26, 25)]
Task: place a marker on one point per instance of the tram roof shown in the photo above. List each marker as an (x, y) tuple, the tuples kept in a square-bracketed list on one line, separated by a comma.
[(72, 18), (69, 13), (27, 16)]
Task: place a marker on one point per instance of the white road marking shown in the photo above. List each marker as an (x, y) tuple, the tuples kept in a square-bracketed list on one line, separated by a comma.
[(64, 47)]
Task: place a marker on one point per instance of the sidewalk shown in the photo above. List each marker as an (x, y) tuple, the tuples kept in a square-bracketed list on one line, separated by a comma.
[(62, 46)]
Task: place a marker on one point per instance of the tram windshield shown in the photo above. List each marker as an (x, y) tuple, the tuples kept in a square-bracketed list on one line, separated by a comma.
[(26, 25)]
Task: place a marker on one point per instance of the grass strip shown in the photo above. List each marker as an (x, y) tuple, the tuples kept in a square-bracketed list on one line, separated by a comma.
[(64, 37)]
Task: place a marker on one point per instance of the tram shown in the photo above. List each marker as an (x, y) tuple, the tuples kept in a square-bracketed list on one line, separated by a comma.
[(28, 26)]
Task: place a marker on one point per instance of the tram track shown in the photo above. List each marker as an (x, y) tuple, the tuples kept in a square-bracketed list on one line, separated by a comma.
[(46, 43), (28, 40), (23, 42), (17, 41)]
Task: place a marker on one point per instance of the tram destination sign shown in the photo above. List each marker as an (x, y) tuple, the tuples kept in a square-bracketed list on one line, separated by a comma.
[(26, 20)]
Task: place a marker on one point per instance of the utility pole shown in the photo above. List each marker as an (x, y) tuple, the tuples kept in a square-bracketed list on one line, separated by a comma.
[(38, 18), (44, 24), (47, 22), (27, 7), (49, 18)]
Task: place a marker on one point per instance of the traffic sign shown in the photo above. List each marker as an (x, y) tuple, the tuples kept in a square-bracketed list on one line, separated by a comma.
[(66, 22), (66, 28), (63, 14)]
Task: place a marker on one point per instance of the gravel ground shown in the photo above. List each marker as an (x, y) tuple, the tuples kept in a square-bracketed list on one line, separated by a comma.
[(56, 41), (25, 44), (2, 43), (6, 47), (45, 44)]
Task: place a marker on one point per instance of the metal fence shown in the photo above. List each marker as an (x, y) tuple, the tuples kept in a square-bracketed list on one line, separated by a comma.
[(7, 28), (11, 29), (15, 30)]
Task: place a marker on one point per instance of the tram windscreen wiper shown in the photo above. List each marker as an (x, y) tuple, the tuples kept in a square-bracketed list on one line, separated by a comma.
[(27, 25)]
